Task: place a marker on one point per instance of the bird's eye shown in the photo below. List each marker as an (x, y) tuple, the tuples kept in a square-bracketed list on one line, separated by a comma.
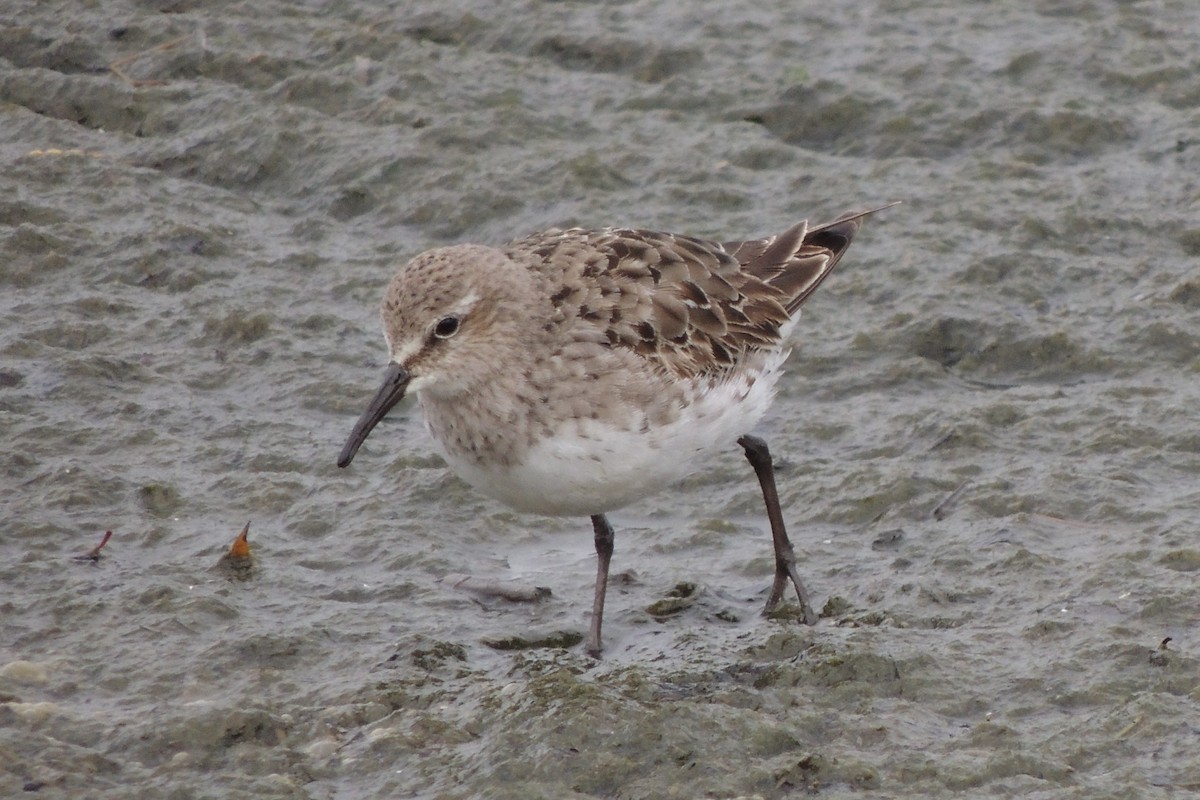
[(446, 327)]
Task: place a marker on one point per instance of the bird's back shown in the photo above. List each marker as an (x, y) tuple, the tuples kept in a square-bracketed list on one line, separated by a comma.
[(697, 308)]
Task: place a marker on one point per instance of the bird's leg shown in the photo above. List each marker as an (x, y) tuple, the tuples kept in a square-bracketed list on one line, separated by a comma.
[(785, 558), (604, 551)]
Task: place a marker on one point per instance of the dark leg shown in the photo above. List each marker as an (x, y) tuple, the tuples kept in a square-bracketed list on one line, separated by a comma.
[(604, 551), (785, 558)]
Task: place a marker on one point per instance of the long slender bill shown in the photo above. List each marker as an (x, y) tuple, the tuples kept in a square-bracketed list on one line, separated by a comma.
[(395, 382)]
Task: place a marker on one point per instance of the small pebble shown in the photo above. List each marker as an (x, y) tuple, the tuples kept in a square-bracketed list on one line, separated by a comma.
[(24, 672)]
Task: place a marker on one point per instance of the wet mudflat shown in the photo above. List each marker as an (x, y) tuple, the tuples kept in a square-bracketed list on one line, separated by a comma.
[(988, 426)]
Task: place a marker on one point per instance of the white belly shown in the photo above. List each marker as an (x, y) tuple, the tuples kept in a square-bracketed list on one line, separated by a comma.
[(590, 467)]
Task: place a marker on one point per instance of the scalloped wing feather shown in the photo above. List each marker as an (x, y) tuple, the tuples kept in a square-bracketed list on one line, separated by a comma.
[(696, 307)]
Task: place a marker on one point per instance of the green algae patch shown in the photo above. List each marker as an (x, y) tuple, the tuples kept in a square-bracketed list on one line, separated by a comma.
[(1185, 559), (554, 639), (160, 499)]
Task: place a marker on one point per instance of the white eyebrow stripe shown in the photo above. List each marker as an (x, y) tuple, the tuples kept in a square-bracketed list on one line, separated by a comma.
[(401, 355), (467, 303), (405, 351)]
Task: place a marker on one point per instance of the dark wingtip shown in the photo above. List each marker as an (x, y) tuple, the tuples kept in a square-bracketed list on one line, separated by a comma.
[(848, 222), (838, 234)]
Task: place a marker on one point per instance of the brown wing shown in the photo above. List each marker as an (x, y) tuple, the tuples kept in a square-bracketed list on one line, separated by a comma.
[(695, 306), (797, 260)]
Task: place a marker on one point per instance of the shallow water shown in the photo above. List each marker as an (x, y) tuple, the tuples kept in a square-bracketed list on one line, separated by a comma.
[(191, 251)]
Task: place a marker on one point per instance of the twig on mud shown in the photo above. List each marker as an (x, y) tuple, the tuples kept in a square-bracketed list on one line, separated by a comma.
[(507, 590), (116, 67), (93, 555), (942, 509)]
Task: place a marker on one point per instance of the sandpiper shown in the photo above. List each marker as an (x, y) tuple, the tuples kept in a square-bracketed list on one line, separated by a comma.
[(574, 371)]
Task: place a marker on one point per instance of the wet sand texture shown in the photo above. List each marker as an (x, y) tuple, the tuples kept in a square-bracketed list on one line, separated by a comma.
[(201, 203)]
